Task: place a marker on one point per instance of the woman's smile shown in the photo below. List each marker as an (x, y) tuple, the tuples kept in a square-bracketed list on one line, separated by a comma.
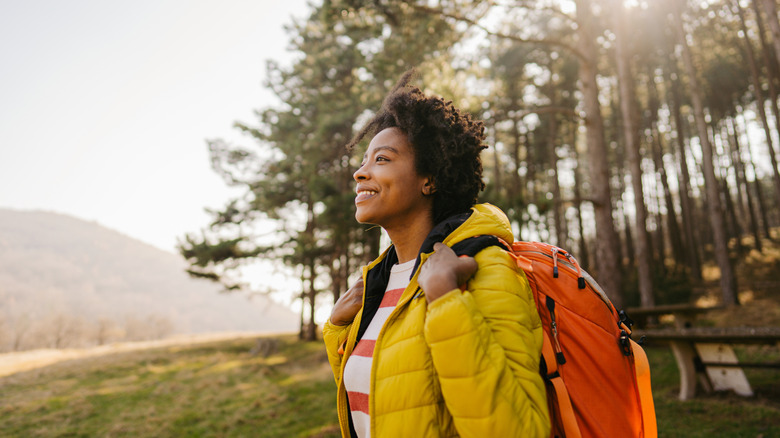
[(364, 194)]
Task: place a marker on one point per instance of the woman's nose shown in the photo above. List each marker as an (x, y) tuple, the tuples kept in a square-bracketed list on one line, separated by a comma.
[(360, 174)]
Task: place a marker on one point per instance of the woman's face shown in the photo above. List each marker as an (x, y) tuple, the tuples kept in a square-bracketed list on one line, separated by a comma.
[(389, 189)]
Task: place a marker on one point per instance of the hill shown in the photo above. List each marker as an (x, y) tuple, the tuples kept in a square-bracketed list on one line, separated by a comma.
[(64, 271)]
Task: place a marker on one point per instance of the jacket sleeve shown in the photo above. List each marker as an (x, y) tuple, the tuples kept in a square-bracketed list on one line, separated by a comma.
[(486, 343), (334, 336)]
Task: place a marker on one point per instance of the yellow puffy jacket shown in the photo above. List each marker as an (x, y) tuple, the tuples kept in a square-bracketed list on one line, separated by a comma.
[(465, 365)]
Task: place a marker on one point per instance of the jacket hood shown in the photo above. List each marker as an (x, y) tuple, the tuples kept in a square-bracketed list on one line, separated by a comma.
[(483, 219)]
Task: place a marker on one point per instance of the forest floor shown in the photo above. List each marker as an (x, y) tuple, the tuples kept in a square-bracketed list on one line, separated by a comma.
[(758, 282)]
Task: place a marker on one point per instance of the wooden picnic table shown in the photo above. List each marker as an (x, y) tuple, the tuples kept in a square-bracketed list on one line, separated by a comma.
[(684, 314), (705, 354)]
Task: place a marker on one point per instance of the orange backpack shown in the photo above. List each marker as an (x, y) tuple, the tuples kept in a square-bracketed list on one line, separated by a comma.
[(598, 378)]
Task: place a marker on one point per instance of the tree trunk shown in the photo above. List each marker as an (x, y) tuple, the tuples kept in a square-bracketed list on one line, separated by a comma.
[(558, 221), (657, 145), (770, 62), (733, 224), (728, 281), (686, 203), (642, 251), (311, 328), (302, 322), (659, 252), (623, 224), (743, 183), (774, 27), (607, 243), (756, 182), (498, 172), (740, 215), (757, 89), (770, 59), (515, 189), (675, 237), (582, 257)]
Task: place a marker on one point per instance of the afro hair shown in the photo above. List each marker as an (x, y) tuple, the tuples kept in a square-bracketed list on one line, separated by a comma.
[(446, 142)]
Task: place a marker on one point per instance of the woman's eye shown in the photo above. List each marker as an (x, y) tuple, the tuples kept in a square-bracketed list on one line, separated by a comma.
[(381, 158)]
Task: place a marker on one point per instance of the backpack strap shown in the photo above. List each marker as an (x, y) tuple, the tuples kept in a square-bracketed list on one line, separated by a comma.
[(470, 246), (642, 368), (570, 427)]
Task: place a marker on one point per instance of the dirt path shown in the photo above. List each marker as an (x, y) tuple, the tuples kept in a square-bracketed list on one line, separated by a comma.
[(11, 363)]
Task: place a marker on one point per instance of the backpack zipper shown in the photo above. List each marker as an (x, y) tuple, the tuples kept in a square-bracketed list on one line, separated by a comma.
[(572, 263), (581, 281), (554, 329)]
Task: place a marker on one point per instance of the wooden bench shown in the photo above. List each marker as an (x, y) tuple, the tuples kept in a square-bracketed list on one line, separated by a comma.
[(684, 314), (705, 354)]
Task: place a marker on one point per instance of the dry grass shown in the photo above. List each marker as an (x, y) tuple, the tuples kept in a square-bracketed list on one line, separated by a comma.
[(215, 388), (12, 363)]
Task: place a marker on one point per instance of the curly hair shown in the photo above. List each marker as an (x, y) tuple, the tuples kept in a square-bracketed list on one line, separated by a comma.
[(446, 143)]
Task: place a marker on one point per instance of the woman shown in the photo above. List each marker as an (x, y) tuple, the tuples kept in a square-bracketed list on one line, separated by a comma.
[(433, 345)]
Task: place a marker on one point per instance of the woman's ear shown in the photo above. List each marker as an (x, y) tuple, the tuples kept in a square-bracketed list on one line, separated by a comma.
[(428, 189)]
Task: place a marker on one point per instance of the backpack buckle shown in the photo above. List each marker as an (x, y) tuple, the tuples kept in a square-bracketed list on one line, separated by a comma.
[(625, 320), (625, 343)]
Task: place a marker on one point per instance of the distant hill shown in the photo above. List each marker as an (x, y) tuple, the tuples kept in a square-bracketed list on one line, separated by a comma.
[(52, 264)]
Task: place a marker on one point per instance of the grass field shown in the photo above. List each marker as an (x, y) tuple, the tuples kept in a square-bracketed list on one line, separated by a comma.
[(220, 389)]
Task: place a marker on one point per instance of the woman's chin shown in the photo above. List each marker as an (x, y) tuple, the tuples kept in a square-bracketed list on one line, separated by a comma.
[(364, 219)]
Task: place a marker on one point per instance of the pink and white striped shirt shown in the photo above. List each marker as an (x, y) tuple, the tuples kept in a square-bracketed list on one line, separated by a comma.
[(357, 372)]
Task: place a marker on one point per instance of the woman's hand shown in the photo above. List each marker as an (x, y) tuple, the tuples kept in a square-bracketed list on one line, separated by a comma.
[(348, 305), (444, 271)]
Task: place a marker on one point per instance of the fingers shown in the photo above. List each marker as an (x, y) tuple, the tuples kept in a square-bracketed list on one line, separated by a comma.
[(357, 287), (467, 266), (464, 266), (441, 248)]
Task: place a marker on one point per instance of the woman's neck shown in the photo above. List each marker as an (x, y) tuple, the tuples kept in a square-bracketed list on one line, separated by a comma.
[(408, 240)]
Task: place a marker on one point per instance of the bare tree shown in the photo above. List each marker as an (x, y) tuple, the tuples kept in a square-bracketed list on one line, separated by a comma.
[(728, 281), (607, 240), (105, 330), (21, 328), (62, 330), (642, 250)]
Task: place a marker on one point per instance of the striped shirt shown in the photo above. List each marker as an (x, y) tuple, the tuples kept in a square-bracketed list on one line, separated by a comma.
[(357, 372)]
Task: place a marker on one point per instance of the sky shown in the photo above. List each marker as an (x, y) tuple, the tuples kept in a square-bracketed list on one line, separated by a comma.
[(105, 106)]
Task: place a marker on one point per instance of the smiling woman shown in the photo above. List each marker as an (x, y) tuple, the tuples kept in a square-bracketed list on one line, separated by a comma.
[(464, 361)]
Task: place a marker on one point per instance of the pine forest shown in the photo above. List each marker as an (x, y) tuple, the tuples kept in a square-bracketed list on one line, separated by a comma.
[(641, 135)]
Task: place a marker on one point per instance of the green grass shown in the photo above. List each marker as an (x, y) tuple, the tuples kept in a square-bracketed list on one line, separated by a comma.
[(221, 390), (717, 414), (216, 390)]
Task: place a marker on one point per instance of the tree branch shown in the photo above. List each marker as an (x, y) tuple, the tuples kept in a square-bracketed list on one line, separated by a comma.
[(458, 17), (551, 109), (557, 11)]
